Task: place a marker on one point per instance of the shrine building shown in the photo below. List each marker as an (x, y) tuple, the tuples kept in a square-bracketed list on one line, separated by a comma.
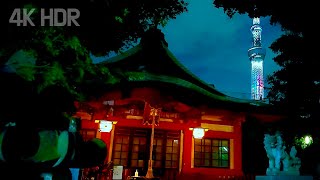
[(197, 129)]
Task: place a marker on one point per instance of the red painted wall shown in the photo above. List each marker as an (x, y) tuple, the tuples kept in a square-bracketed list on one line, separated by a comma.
[(152, 95), (186, 164), (186, 158)]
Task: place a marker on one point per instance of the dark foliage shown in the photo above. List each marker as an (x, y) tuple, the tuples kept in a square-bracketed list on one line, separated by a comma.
[(45, 69), (105, 25), (296, 86)]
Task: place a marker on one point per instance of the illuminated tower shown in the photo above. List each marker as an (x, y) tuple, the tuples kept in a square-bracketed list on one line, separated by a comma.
[(256, 55)]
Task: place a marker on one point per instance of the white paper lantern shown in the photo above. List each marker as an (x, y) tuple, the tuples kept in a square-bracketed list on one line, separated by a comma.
[(198, 133), (105, 126)]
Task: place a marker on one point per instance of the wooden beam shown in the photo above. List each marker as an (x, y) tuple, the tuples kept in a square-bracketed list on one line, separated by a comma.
[(218, 127), (181, 151)]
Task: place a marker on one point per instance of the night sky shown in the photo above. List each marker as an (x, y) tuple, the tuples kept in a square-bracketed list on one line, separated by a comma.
[(214, 47)]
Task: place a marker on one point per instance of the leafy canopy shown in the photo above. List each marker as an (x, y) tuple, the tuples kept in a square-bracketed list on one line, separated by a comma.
[(52, 65)]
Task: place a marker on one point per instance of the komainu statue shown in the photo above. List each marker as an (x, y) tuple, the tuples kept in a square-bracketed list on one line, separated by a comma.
[(276, 152), (294, 163)]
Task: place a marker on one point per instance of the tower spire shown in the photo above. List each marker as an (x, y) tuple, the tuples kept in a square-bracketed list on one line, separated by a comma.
[(256, 55)]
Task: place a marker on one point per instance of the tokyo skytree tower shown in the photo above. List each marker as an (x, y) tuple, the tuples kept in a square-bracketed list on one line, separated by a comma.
[(256, 55)]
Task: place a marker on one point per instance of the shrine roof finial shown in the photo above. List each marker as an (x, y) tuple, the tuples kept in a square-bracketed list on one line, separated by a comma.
[(153, 35)]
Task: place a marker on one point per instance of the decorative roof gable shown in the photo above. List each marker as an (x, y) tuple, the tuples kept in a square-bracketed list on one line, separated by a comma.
[(152, 61)]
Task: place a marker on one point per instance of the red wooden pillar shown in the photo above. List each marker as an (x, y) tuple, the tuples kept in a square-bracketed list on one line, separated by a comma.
[(187, 150), (106, 136), (238, 148)]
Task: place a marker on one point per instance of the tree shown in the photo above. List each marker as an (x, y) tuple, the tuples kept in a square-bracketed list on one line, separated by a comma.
[(105, 25), (45, 69), (53, 63), (295, 87)]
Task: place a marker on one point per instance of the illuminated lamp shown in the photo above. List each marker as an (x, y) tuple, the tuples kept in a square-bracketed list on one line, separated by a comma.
[(308, 140), (104, 125), (198, 133), (304, 141)]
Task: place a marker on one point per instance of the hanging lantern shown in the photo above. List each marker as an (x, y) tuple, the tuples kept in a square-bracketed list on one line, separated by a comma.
[(198, 133), (105, 126)]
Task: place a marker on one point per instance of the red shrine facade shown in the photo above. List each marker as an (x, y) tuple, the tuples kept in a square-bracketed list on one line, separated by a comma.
[(198, 130)]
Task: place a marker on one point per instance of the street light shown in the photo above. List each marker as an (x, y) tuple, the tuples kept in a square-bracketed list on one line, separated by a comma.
[(154, 112)]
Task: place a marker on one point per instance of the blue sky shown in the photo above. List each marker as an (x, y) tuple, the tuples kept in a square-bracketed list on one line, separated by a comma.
[(214, 47)]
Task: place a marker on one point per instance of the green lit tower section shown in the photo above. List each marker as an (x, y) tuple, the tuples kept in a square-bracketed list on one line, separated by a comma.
[(256, 55)]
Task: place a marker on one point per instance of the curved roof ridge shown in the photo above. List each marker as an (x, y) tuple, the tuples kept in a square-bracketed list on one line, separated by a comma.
[(188, 76), (207, 86), (144, 76), (185, 69), (122, 56)]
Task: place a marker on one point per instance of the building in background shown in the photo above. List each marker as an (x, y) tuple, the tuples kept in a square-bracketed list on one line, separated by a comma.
[(256, 55), (198, 130)]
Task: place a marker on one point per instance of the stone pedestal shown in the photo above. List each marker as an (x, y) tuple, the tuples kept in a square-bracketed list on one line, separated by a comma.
[(284, 177)]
